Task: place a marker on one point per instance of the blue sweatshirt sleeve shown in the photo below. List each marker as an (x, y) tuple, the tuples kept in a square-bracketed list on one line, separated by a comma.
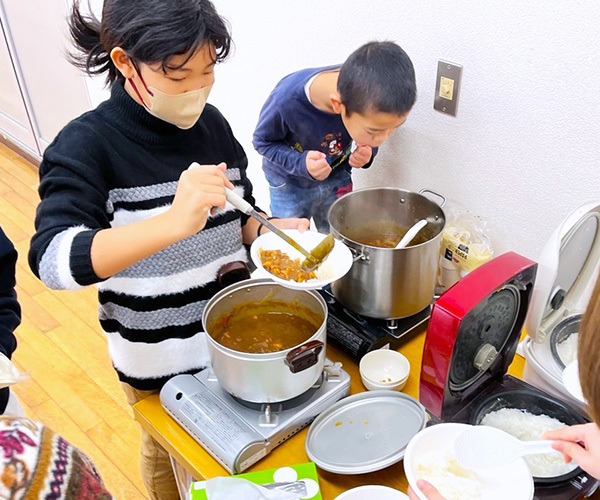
[(270, 141)]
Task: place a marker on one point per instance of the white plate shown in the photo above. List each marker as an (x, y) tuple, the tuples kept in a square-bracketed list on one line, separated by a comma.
[(570, 379), (372, 492), (512, 481), (336, 265)]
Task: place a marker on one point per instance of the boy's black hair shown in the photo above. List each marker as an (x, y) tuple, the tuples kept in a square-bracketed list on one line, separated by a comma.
[(149, 31), (378, 76)]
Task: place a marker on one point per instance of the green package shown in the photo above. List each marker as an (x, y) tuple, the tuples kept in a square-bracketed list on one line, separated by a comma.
[(306, 472)]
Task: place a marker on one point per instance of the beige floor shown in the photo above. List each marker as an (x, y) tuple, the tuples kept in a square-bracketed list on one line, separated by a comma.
[(71, 387)]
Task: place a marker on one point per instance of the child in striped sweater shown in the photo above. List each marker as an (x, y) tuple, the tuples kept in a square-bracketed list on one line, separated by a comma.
[(121, 209)]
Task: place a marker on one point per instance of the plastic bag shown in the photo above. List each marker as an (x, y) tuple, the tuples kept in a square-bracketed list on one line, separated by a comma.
[(465, 244), (9, 374), (235, 488)]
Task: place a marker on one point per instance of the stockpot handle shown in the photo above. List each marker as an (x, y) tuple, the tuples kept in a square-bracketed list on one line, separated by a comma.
[(358, 255), (443, 198), (304, 356)]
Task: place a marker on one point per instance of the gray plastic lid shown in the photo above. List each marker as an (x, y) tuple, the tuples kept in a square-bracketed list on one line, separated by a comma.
[(364, 432)]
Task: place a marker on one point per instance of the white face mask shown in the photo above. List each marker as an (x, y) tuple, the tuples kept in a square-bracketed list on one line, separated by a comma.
[(181, 110)]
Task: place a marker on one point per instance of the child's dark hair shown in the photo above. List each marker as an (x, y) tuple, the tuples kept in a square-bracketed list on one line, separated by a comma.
[(378, 76), (149, 31)]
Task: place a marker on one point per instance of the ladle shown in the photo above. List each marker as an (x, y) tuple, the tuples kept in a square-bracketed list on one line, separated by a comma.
[(484, 447), (411, 233), (314, 258)]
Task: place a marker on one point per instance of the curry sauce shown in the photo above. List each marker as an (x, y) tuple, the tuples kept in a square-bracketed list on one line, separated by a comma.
[(385, 234), (265, 326), (281, 265)]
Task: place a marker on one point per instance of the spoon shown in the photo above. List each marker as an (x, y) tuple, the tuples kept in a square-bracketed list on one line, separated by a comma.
[(411, 233), (484, 447), (314, 258)]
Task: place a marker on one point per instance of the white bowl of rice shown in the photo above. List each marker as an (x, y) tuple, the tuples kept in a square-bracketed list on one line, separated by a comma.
[(430, 456)]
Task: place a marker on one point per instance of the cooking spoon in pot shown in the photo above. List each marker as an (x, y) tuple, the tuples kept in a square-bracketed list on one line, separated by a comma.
[(484, 447), (314, 258), (411, 233)]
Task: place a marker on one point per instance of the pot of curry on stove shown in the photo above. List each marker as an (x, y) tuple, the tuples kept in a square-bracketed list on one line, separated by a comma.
[(266, 342)]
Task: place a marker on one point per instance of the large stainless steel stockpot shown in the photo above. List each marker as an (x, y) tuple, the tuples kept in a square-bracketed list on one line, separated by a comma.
[(266, 377), (388, 283)]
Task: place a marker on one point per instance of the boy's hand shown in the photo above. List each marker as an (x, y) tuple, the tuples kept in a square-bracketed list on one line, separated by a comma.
[(200, 188), (317, 165), (580, 443), (290, 223), (428, 490), (360, 156)]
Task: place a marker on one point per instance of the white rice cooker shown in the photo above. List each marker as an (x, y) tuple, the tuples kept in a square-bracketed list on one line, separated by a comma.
[(567, 271)]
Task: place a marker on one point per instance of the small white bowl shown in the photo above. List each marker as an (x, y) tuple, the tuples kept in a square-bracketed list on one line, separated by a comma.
[(372, 492), (335, 266), (384, 369), (371, 386)]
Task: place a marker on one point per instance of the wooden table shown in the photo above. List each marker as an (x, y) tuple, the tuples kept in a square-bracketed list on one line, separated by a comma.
[(200, 464)]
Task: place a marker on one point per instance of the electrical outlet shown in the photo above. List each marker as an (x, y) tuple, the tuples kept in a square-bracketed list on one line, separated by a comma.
[(447, 87)]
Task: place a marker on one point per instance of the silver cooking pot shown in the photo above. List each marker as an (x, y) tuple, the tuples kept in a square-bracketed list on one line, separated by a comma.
[(266, 377), (388, 283)]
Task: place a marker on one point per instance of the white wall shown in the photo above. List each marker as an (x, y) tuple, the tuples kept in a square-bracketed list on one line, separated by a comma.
[(524, 149)]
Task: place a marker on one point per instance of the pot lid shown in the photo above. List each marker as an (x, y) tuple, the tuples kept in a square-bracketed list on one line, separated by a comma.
[(567, 268), (364, 432)]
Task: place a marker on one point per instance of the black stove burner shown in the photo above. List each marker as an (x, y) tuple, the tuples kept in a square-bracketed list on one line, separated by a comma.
[(283, 405), (358, 334)]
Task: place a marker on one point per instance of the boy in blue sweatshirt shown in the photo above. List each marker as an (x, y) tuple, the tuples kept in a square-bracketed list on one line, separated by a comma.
[(319, 123)]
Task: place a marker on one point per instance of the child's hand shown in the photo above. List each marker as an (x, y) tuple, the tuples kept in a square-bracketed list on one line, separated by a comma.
[(360, 156), (317, 165), (200, 188), (291, 223), (428, 490), (580, 443)]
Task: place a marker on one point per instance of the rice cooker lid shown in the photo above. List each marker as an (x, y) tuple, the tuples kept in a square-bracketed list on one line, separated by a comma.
[(567, 269), (364, 432), (474, 330), (483, 335)]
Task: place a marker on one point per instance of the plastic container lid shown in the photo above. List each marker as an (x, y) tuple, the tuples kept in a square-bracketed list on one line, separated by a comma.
[(364, 432), (566, 270)]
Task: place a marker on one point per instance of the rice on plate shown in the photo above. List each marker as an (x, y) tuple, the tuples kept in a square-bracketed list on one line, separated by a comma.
[(335, 266), (430, 456)]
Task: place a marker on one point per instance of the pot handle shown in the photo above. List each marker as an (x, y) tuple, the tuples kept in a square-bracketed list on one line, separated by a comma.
[(443, 198), (304, 356), (358, 255)]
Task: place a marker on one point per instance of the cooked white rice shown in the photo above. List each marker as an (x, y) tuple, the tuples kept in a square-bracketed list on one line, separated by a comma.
[(453, 481), (567, 349), (527, 427)]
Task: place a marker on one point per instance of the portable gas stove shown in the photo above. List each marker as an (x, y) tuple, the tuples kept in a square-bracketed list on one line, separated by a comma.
[(238, 433), (472, 338), (359, 334), (568, 268)]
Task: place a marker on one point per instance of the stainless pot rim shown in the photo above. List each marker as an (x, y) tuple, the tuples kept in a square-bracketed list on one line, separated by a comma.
[(256, 356), (345, 239)]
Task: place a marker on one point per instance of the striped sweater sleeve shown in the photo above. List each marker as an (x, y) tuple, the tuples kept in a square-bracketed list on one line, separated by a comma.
[(73, 209)]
